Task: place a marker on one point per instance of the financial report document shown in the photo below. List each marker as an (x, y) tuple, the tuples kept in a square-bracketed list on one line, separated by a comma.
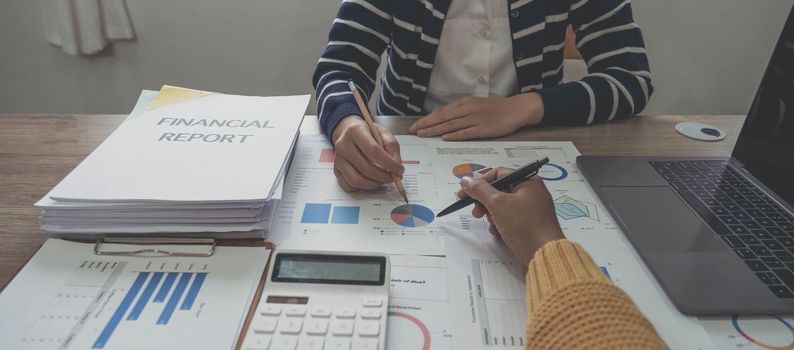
[(67, 297), (485, 303)]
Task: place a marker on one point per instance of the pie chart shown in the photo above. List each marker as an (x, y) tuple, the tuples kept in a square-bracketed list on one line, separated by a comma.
[(412, 215), (467, 169)]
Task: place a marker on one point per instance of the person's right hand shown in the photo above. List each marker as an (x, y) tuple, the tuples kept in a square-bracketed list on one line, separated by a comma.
[(361, 164), (525, 218)]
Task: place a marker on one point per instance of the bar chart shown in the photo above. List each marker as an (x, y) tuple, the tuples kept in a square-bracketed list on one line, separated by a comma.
[(176, 287), (324, 213), (501, 301)]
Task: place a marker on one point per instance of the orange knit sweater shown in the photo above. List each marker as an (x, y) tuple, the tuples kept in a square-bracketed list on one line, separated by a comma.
[(572, 305)]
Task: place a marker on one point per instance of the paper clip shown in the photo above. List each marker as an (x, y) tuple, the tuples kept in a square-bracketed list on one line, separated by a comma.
[(154, 252)]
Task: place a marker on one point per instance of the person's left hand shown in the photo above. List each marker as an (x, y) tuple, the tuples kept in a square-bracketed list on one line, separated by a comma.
[(480, 117)]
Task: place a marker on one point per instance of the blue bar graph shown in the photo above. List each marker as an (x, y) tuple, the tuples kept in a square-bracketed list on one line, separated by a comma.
[(316, 213), (193, 291), (147, 293), (166, 287), (120, 311), (174, 299), (345, 215)]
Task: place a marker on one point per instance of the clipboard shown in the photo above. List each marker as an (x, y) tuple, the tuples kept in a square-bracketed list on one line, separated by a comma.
[(101, 249), (211, 244)]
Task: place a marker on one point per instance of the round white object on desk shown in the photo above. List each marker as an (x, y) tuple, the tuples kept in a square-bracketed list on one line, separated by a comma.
[(700, 131)]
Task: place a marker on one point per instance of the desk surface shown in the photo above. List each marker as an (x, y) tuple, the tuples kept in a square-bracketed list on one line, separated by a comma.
[(37, 151)]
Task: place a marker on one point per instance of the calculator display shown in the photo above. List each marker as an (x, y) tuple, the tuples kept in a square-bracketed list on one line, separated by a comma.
[(329, 269)]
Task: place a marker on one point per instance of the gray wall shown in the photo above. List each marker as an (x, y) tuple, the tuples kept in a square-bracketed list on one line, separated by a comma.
[(706, 55)]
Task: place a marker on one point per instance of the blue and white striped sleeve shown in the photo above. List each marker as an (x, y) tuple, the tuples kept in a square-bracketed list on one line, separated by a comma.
[(358, 37), (618, 84)]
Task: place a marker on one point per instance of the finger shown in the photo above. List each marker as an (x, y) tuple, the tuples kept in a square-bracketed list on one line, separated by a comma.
[(534, 185), (491, 175), (502, 171), (390, 144), (492, 227), (440, 116), (471, 132), (478, 211), (496, 173), (376, 154), (353, 177), (365, 167), (340, 179), (447, 127), (481, 191)]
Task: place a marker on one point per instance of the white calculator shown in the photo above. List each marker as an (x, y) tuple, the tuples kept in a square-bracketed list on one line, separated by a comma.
[(322, 301)]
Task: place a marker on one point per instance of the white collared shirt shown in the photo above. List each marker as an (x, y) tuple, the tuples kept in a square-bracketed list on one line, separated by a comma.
[(475, 54)]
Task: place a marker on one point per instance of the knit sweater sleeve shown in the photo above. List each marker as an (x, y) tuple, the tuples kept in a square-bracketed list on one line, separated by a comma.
[(618, 83), (573, 305)]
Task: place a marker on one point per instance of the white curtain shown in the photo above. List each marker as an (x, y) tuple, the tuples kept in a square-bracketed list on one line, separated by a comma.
[(85, 27)]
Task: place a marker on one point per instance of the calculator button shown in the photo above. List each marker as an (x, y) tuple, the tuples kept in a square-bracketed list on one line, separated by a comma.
[(311, 343), (265, 325), (283, 342), (317, 327), (372, 302), (368, 328), (371, 314), (291, 326), (271, 310), (365, 344), (257, 342), (295, 311), (342, 328), (345, 313), (337, 344), (321, 312)]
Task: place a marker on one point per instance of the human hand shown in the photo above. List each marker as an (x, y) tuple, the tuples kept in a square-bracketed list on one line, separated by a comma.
[(361, 164), (481, 117), (524, 219)]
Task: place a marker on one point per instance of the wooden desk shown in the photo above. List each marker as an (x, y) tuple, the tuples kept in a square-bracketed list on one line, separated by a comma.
[(37, 151)]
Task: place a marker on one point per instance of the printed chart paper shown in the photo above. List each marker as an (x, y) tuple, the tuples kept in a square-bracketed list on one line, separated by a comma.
[(494, 286), (68, 298), (419, 316), (315, 213)]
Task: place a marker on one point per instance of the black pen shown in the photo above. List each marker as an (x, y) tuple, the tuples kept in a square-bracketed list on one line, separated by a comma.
[(501, 184)]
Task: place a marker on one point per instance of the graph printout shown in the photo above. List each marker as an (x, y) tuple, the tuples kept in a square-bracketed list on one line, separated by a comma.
[(68, 298), (315, 213), (487, 288), (419, 315)]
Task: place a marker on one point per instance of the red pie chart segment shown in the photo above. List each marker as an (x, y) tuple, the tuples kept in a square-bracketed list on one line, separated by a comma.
[(466, 169), (412, 215)]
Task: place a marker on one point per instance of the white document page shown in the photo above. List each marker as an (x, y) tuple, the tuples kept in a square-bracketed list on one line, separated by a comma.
[(68, 298), (487, 292), (419, 315), (751, 332), (583, 219), (212, 148), (315, 213)]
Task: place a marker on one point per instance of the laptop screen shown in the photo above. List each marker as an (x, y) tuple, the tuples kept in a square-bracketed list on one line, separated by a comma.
[(766, 143)]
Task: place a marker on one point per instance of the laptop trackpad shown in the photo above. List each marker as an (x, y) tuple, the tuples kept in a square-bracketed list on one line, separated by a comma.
[(660, 221)]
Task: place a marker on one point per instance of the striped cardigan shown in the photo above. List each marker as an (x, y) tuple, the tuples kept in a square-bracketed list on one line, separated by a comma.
[(617, 86)]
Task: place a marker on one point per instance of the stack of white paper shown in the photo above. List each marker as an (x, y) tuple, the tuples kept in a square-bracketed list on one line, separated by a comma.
[(185, 161)]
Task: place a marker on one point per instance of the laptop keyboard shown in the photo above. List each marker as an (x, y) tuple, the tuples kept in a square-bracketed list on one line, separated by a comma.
[(758, 230)]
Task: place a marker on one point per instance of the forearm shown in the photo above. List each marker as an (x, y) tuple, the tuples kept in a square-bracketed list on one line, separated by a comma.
[(571, 304), (618, 85), (358, 37)]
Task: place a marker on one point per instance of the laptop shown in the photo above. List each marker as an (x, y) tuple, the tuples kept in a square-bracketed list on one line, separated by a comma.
[(717, 233)]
